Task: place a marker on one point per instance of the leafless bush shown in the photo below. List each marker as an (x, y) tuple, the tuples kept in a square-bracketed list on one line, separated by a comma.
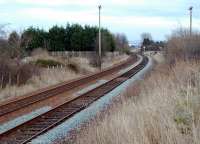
[(14, 46), (121, 43), (11, 45), (3, 47), (183, 46), (13, 72)]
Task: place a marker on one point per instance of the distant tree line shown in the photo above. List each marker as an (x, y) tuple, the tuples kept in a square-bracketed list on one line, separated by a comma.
[(149, 44), (58, 38), (70, 38)]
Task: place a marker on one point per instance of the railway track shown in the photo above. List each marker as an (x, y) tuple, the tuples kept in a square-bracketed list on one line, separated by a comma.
[(44, 94), (24, 133)]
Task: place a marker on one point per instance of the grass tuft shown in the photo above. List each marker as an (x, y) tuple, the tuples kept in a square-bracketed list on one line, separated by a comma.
[(165, 112)]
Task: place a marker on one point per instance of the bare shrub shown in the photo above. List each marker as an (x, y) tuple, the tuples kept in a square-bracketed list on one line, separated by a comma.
[(14, 46), (3, 47), (47, 77), (51, 76), (3, 41), (15, 73), (11, 46), (183, 46), (121, 42)]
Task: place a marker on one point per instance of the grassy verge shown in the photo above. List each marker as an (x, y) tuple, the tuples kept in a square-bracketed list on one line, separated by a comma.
[(52, 70), (166, 111)]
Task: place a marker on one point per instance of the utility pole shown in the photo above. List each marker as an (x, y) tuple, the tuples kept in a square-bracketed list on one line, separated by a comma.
[(190, 9), (100, 64)]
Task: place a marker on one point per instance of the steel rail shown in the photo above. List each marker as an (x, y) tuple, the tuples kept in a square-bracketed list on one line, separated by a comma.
[(24, 133), (44, 94)]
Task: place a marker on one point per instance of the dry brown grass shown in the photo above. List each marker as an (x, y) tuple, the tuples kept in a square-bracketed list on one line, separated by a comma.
[(183, 46), (47, 77), (42, 54), (113, 60), (73, 67), (165, 112)]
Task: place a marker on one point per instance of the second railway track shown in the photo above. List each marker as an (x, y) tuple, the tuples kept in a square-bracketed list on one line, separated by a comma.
[(24, 133), (58, 89)]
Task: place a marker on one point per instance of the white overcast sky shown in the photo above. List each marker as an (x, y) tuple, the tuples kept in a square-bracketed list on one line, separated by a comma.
[(132, 17)]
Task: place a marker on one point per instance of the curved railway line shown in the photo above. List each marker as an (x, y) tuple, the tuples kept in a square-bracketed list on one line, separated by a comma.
[(43, 94), (27, 131)]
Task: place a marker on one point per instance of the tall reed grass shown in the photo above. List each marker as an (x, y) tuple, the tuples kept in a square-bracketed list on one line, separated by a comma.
[(165, 111), (182, 45)]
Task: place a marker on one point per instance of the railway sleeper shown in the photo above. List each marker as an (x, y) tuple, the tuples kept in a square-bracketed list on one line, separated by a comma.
[(52, 118), (76, 105), (89, 97), (39, 125), (64, 113), (95, 96), (68, 112), (29, 134), (46, 123), (21, 138), (84, 100), (55, 115), (63, 110), (73, 105), (8, 142), (70, 109), (79, 106), (31, 130)]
